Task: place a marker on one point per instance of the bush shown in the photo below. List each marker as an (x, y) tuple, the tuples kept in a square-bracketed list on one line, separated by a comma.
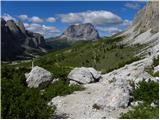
[(141, 112), (21, 102), (147, 91), (156, 61), (60, 88)]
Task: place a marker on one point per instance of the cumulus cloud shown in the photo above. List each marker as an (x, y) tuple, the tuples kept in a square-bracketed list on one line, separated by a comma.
[(132, 5), (6, 17), (51, 19), (23, 17), (46, 31), (95, 17), (109, 30), (36, 19)]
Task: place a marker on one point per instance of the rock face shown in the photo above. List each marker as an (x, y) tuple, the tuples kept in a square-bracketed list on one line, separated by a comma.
[(80, 32), (18, 43), (38, 77), (83, 75), (150, 19), (145, 27)]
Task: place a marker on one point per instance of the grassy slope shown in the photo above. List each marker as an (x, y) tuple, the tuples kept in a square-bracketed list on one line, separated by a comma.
[(103, 55)]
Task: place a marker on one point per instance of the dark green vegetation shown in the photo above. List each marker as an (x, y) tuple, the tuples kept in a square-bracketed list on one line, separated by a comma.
[(19, 101), (150, 69), (147, 92), (54, 45), (104, 55)]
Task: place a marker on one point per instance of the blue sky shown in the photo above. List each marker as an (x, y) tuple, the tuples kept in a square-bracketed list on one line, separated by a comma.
[(51, 18)]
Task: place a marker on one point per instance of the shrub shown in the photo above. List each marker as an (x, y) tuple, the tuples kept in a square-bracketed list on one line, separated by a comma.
[(156, 61), (146, 91), (21, 102), (141, 112), (60, 88)]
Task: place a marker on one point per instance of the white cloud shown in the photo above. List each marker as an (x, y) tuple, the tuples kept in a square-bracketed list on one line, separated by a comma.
[(26, 25), (132, 5), (36, 19), (23, 17), (51, 19), (46, 31), (127, 23), (109, 30), (95, 17), (6, 17)]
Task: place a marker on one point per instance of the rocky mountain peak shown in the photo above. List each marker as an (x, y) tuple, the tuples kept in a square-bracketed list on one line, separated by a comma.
[(80, 32), (21, 27), (18, 43), (150, 18)]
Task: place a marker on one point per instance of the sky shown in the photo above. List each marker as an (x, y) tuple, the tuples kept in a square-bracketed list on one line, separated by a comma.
[(51, 18)]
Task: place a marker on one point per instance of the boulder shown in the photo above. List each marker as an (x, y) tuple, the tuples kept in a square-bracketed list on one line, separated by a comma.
[(117, 95), (83, 75), (38, 77)]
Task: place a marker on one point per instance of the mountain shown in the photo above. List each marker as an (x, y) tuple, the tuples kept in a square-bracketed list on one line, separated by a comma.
[(80, 32), (145, 27), (19, 43), (73, 34)]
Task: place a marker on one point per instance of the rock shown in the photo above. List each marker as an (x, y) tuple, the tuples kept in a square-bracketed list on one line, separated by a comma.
[(117, 95), (38, 77), (21, 27), (145, 27), (55, 80), (18, 43), (153, 105), (136, 103), (156, 69), (83, 75), (80, 32), (150, 18)]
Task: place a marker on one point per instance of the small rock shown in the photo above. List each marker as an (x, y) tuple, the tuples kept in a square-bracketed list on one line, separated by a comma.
[(136, 103), (153, 105)]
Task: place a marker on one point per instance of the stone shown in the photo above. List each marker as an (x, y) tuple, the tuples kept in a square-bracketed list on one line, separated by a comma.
[(38, 77), (136, 103), (84, 75), (117, 95)]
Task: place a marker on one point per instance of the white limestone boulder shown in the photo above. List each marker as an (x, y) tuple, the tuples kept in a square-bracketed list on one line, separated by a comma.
[(38, 77), (117, 95), (83, 75)]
